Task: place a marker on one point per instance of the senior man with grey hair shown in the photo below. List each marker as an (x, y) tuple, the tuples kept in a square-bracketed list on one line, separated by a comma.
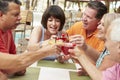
[(10, 63)]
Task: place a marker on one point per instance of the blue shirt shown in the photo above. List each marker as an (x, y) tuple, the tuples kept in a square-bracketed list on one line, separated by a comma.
[(101, 57)]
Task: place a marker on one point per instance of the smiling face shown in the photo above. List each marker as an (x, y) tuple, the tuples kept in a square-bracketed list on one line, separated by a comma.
[(53, 19), (101, 30), (53, 25), (12, 18), (89, 21), (105, 23)]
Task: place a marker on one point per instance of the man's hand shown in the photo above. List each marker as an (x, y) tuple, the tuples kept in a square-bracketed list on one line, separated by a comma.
[(20, 73), (3, 76)]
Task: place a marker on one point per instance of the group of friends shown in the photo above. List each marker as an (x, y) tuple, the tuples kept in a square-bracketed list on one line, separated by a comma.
[(96, 37)]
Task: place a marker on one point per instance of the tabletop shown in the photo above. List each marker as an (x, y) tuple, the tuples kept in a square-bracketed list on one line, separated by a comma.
[(44, 63), (32, 73)]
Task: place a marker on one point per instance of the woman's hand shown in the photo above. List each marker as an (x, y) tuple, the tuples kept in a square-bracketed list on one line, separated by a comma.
[(76, 52), (79, 41)]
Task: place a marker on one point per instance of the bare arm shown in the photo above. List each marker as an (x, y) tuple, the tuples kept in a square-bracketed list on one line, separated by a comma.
[(35, 36), (93, 72), (91, 52), (14, 63), (90, 68)]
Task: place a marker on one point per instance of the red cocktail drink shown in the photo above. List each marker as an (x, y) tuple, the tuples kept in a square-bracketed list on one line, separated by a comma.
[(67, 47)]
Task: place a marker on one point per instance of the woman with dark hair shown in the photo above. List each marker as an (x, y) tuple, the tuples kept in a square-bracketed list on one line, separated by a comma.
[(52, 23)]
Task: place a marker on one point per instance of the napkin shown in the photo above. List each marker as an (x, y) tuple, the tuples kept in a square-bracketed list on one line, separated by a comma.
[(53, 74)]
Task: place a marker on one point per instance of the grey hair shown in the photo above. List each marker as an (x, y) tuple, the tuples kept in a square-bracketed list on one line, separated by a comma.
[(115, 31)]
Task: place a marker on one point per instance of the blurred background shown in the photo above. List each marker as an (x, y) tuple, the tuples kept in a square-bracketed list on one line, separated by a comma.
[(32, 10)]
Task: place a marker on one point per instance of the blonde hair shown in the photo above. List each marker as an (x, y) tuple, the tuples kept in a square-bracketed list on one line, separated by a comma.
[(114, 30), (108, 18)]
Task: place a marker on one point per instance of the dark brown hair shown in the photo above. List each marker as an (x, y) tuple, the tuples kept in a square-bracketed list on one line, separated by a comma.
[(99, 6), (56, 12), (4, 5)]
